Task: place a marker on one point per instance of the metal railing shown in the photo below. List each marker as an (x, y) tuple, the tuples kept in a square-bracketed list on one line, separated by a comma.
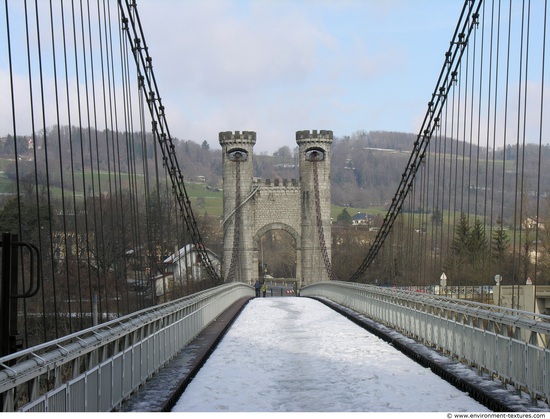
[(96, 369), (511, 345)]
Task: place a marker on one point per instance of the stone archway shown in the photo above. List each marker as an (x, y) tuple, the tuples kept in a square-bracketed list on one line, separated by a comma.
[(284, 227)]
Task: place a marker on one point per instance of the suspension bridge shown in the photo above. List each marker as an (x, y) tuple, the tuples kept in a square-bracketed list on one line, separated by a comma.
[(107, 275)]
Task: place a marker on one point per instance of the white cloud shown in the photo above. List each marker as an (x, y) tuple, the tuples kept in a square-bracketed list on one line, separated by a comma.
[(278, 66)]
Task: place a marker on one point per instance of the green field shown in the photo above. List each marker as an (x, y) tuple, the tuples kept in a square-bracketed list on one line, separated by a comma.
[(335, 210), (211, 203), (205, 201)]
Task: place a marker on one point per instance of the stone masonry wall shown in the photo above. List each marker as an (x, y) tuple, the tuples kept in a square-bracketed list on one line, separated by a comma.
[(278, 204)]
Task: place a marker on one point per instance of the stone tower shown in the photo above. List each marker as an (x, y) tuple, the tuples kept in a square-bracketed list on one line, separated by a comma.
[(314, 148), (252, 208), (238, 217)]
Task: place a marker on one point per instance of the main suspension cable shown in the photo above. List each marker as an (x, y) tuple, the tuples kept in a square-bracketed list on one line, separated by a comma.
[(132, 26), (467, 22)]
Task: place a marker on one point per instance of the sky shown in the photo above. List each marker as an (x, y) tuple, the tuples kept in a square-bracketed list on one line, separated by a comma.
[(280, 66), (297, 355)]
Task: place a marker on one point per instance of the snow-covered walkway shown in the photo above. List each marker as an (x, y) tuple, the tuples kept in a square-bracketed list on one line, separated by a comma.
[(297, 355)]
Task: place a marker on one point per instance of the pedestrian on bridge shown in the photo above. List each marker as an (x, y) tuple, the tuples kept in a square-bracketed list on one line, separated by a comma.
[(257, 287), (264, 289)]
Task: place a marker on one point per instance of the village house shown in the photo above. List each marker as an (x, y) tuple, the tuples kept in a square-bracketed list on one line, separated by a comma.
[(532, 223), (361, 219), (184, 266)]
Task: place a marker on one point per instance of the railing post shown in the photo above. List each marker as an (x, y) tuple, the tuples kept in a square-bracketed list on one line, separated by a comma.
[(9, 341), (8, 287), (5, 294)]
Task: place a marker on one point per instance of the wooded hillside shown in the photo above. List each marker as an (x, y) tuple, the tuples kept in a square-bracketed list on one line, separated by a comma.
[(366, 167)]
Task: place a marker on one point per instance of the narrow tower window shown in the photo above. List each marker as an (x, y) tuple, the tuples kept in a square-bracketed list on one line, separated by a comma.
[(315, 154), (237, 154)]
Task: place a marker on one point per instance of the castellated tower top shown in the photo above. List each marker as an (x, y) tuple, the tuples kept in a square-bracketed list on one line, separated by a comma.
[(237, 137), (322, 136)]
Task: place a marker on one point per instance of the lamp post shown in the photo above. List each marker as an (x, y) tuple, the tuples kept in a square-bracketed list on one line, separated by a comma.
[(442, 282), (498, 279)]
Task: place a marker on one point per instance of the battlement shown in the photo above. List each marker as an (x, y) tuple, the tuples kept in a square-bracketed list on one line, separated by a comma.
[(237, 137), (277, 182), (306, 135)]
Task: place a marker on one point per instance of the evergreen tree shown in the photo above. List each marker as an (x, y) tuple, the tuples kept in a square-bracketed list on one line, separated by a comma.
[(477, 242), (455, 260), (499, 241), (344, 217), (437, 216), (460, 247), (478, 249)]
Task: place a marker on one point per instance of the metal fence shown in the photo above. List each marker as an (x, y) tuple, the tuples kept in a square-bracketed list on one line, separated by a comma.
[(96, 369), (509, 344)]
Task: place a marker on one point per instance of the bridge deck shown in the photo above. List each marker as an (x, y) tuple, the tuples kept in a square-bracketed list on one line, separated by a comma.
[(296, 354), (161, 392)]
